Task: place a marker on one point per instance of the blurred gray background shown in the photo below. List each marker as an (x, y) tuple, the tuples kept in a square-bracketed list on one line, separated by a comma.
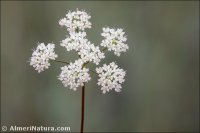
[(161, 92)]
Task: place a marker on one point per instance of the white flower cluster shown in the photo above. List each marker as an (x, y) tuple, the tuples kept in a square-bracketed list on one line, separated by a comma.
[(111, 77), (76, 21), (77, 40), (74, 75), (41, 55), (91, 53), (114, 40)]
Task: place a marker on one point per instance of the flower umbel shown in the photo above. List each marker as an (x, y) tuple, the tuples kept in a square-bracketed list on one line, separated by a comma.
[(41, 55), (114, 40), (111, 77), (91, 53), (74, 75), (76, 21), (76, 41)]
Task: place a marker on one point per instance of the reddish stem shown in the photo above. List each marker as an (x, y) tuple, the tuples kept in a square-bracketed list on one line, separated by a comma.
[(82, 108)]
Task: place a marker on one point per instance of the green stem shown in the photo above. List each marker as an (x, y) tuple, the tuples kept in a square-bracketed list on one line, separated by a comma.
[(104, 49), (62, 61), (94, 72)]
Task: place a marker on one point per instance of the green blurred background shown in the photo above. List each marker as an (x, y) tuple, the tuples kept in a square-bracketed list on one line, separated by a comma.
[(161, 92)]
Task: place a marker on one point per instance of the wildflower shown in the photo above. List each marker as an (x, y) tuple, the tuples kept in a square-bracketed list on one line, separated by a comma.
[(76, 41), (91, 53), (41, 55), (74, 75), (114, 39), (76, 21), (86, 50), (111, 77)]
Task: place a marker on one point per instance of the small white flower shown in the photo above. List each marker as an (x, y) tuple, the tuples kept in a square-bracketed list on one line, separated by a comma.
[(111, 77), (74, 75), (42, 54), (91, 53), (62, 22), (114, 40), (76, 21)]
